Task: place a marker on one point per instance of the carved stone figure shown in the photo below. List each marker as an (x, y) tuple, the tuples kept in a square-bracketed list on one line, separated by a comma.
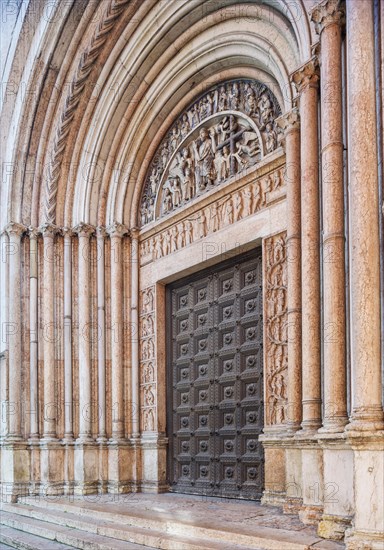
[(188, 232), (205, 149), (148, 420)]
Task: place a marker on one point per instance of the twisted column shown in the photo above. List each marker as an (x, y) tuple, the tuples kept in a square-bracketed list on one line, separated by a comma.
[(290, 123), (116, 232), (306, 80)]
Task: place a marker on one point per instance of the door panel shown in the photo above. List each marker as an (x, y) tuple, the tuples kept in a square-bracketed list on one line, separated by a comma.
[(215, 392)]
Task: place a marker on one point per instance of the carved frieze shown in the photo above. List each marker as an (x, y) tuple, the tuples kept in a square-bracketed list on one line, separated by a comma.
[(228, 129), (148, 359), (275, 315), (220, 213)]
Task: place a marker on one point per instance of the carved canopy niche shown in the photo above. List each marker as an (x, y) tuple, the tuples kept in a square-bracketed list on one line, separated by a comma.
[(225, 131)]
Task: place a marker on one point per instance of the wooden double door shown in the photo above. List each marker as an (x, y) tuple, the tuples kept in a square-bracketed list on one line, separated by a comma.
[(215, 381)]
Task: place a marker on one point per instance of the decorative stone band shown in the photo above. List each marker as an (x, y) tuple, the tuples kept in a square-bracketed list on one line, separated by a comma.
[(226, 130), (148, 359), (275, 329), (220, 212)]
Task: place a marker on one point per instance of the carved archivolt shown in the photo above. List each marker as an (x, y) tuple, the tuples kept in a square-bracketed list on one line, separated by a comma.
[(228, 129), (220, 213), (148, 359), (275, 315), (113, 9)]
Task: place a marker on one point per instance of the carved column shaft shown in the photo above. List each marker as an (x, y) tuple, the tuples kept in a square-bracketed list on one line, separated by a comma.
[(85, 420), (14, 231), (367, 412), (116, 232), (328, 17), (291, 125), (33, 335), (68, 390), (306, 80), (135, 349), (50, 396), (101, 332)]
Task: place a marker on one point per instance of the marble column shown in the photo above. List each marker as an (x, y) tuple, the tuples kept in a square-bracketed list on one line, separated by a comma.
[(365, 432), (116, 231), (50, 411), (135, 350), (290, 123), (14, 231), (68, 390), (367, 411), (328, 17), (51, 451), (33, 335), (306, 80), (101, 233), (84, 232), (4, 327), (86, 459)]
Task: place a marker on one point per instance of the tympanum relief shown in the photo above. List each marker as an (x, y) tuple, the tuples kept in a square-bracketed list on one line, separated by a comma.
[(275, 315), (227, 130), (218, 214)]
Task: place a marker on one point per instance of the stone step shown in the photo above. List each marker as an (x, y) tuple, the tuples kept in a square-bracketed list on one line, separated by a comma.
[(113, 531), (162, 530), (51, 534), (12, 538)]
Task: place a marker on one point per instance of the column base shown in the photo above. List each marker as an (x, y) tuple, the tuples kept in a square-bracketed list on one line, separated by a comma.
[(51, 467), (121, 467), (153, 467), (292, 505), (333, 527), (86, 468), (15, 469), (310, 514), (360, 540), (273, 498)]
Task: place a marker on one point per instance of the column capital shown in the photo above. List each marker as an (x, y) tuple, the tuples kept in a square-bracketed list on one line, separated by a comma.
[(289, 121), (101, 232), (33, 232), (307, 75), (135, 232), (49, 229), (327, 12), (13, 228), (67, 232), (117, 229), (84, 229)]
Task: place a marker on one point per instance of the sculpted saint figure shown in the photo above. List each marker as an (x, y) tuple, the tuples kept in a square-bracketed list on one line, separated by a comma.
[(204, 150), (222, 163), (185, 126)]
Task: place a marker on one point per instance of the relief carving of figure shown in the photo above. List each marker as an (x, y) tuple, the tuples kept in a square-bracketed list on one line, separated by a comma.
[(158, 246), (238, 206), (148, 300), (265, 110), (148, 420), (180, 235), (185, 126), (227, 210), (271, 139), (175, 138), (148, 373), (222, 99), (214, 217), (188, 232), (149, 396), (222, 162), (204, 149), (173, 239), (202, 225), (166, 243), (256, 204), (247, 200)]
